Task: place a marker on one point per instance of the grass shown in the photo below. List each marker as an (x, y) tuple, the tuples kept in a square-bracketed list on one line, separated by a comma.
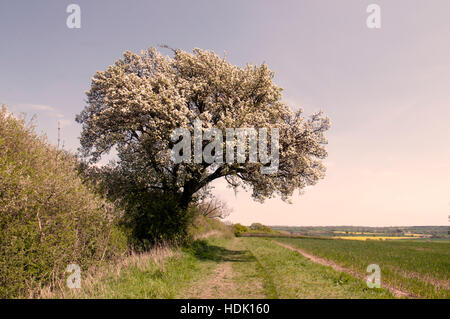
[(263, 269), (252, 276), (249, 267), (294, 276), (421, 268), (162, 273), (159, 273), (233, 273)]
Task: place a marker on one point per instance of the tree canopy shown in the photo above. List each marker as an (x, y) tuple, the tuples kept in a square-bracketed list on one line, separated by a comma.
[(136, 104)]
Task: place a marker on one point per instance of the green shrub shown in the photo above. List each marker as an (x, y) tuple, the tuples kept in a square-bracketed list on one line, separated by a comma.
[(155, 218), (239, 229), (202, 225), (258, 227), (49, 217), (150, 217)]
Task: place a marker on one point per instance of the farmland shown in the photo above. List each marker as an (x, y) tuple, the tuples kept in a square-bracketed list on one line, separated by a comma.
[(421, 268), (408, 232)]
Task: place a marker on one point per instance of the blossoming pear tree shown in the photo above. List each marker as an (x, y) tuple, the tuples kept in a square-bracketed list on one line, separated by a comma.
[(135, 105)]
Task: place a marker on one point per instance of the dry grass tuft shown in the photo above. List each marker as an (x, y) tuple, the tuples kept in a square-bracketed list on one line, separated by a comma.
[(141, 260)]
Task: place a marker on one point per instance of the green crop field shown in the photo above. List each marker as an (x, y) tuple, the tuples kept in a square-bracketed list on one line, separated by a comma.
[(421, 268)]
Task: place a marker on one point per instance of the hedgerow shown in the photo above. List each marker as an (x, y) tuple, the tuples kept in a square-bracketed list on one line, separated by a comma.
[(49, 217)]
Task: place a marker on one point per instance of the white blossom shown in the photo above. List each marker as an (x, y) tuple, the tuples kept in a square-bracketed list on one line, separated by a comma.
[(139, 101)]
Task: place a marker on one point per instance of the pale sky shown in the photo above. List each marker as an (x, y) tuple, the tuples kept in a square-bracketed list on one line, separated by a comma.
[(387, 90)]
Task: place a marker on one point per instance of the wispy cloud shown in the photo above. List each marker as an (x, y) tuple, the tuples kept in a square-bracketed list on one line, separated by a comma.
[(47, 109), (37, 107), (43, 110)]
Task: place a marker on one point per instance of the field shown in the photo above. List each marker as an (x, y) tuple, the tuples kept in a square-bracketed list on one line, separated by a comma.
[(406, 232), (362, 237), (246, 267), (418, 267)]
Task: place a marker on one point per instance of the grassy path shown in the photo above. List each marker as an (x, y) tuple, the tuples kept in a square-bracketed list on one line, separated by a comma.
[(236, 273), (260, 268), (227, 268)]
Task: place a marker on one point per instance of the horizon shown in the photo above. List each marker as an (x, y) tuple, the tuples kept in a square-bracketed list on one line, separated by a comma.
[(359, 226)]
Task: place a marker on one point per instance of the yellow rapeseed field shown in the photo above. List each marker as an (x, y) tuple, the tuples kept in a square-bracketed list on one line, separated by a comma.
[(373, 237)]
